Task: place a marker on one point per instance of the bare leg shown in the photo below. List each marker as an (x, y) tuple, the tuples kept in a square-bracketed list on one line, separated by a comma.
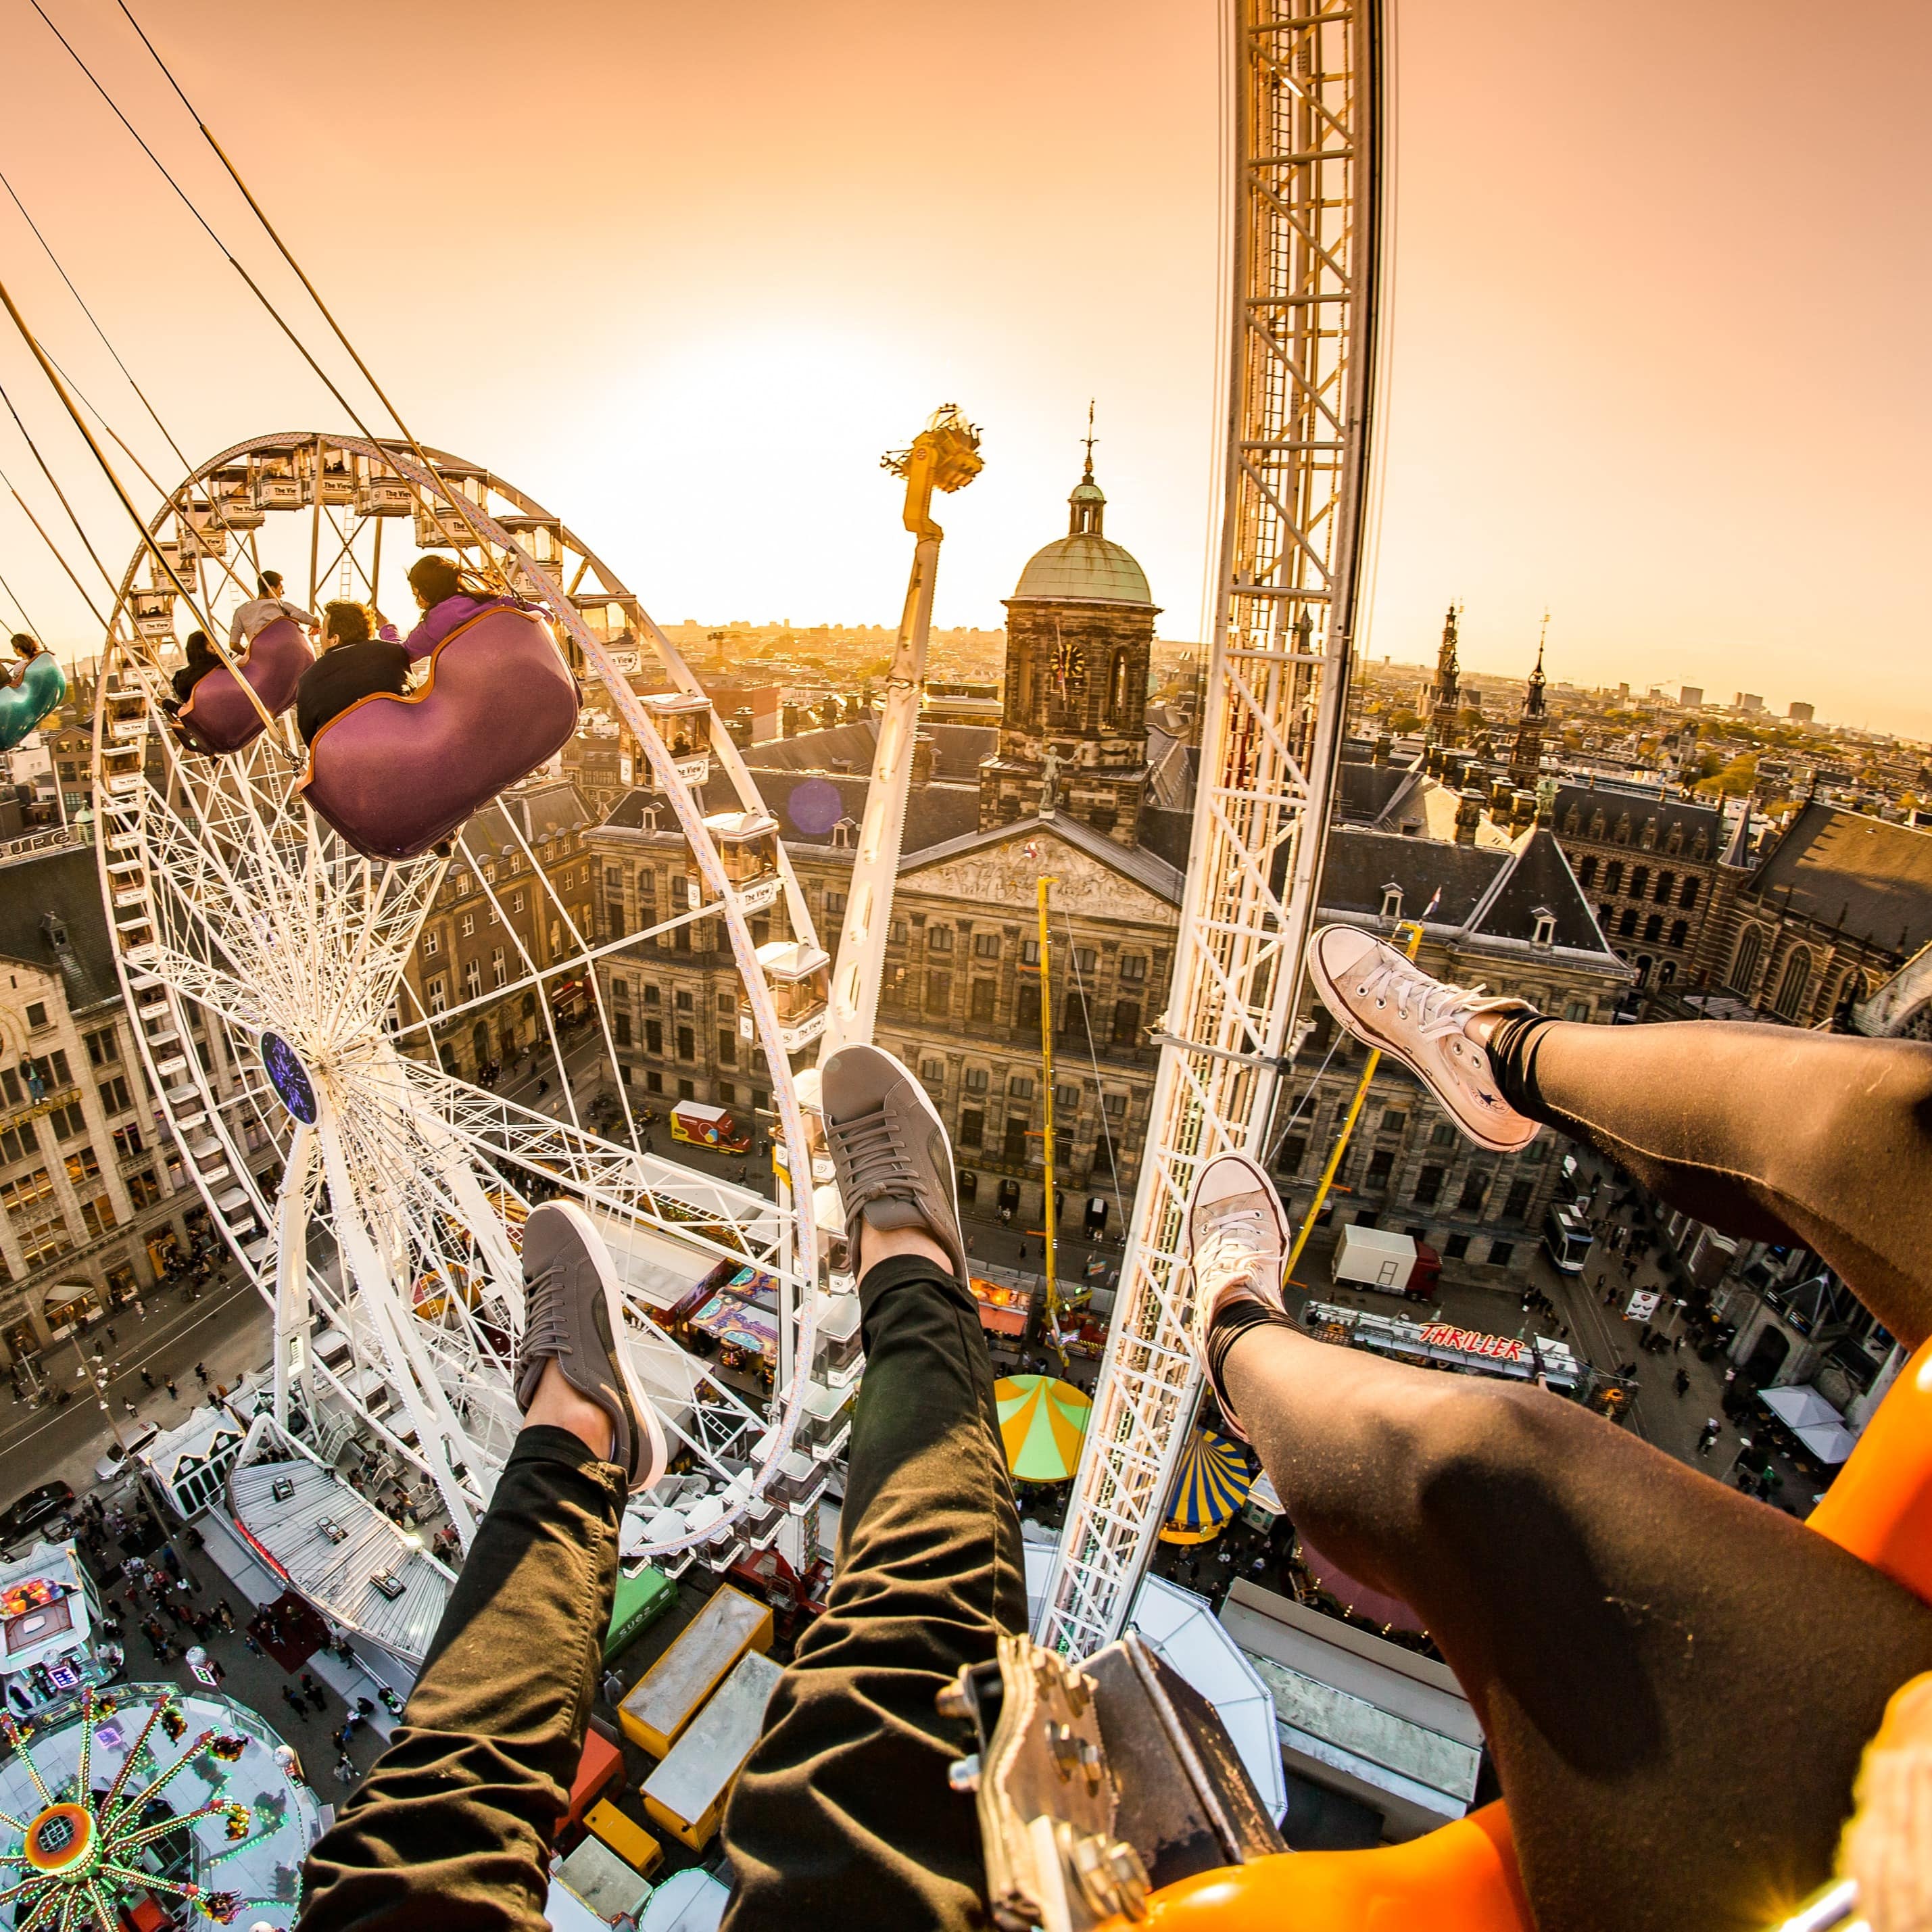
[(1675, 1683)]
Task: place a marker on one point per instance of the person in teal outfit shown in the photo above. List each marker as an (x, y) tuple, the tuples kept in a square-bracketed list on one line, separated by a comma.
[(30, 688)]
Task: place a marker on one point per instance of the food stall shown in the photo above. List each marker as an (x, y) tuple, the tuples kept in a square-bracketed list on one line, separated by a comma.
[(1003, 1310), (686, 1793), (741, 1317), (666, 1698)]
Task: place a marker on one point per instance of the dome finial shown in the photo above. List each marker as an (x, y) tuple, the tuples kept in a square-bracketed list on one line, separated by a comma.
[(1087, 504)]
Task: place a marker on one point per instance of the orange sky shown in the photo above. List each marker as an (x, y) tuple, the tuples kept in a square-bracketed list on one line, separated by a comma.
[(683, 273)]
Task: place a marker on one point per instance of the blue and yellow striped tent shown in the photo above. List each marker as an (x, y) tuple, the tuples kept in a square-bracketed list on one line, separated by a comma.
[(1212, 1482)]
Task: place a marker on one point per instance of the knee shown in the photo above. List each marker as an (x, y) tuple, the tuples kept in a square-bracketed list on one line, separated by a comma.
[(1480, 1441)]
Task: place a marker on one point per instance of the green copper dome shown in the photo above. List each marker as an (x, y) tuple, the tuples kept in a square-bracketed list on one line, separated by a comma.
[(1084, 565)]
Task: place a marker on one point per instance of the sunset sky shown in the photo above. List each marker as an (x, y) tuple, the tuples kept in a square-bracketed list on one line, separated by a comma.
[(684, 273)]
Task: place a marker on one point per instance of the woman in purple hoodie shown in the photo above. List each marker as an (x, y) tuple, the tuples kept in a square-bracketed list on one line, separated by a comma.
[(447, 599)]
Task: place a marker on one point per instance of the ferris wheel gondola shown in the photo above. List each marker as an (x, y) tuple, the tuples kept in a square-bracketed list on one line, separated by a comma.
[(364, 1184)]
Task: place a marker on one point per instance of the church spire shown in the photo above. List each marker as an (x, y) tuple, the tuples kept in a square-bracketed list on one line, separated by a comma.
[(1445, 696), (1526, 757)]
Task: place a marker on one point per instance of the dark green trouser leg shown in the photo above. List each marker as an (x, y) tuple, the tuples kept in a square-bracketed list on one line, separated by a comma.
[(452, 1828), (843, 1815)]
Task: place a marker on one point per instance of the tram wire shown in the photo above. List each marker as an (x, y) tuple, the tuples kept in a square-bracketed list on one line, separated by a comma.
[(33, 450), (59, 555), (26, 622)]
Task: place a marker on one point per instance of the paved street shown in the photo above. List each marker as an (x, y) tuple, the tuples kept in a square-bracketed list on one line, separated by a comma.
[(228, 1331)]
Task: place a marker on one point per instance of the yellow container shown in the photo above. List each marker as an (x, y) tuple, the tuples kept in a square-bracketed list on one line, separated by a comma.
[(628, 1840), (671, 1693)]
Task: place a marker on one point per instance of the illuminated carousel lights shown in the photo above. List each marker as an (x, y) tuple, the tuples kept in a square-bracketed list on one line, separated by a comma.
[(78, 1858)]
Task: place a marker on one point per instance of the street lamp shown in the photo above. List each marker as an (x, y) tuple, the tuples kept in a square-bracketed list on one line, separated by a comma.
[(98, 1380)]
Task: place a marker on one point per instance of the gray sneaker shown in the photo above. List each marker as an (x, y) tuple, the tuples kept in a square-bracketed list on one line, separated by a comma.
[(573, 1315), (888, 1150)]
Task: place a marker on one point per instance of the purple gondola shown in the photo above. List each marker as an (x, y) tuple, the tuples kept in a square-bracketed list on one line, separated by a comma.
[(395, 775), (218, 717)]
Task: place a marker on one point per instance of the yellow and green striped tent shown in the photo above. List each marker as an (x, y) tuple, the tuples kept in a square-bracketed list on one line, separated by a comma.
[(1043, 1423), (1212, 1482)]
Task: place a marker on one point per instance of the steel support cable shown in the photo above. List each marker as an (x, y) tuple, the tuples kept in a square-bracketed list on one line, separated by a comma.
[(255, 288), (13, 597), (147, 537), (59, 556), (1093, 1057), (53, 483), (154, 415), (457, 498)]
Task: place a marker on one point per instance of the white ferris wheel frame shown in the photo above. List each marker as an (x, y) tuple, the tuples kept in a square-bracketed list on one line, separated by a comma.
[(177, 885)]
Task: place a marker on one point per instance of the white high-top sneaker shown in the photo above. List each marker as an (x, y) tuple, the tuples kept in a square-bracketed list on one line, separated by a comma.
[(1387, 1001), (1237, 1241)]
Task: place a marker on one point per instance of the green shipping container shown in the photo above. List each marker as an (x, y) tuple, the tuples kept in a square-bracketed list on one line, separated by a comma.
[(640, 1601)]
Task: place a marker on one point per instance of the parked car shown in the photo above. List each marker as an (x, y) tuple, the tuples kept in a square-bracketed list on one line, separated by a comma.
[(34, 1510), (117, 1460)]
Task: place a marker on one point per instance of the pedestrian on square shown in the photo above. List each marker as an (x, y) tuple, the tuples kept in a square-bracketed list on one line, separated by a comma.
[(345, 1769), (201, 1373), (222, 1610), (248, 1639), (168, 1382), (293, 1701), (315, 1694)]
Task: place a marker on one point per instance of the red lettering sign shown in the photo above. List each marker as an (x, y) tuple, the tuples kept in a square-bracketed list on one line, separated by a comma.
[(1473, 1342)]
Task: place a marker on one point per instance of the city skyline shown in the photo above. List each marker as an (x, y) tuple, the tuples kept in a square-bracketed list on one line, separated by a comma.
[(701, 321)]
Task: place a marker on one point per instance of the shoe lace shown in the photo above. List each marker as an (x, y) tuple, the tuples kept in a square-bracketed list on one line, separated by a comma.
[(1237, 1239), (1438, 1007), (545, 1332), (872, 1152)]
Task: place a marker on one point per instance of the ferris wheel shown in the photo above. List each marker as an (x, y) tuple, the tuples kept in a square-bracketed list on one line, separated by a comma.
[(371, 1192)]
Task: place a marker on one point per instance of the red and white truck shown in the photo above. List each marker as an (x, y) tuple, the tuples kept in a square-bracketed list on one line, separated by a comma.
[(1379, 1257)]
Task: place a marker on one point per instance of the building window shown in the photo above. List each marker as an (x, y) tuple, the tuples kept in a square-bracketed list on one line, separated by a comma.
[(516, 902), (1744, 967), (1545, 934), (469, 926), (653, 1083), (939, 994), (1500, 1253), (1517, 1205), (438, 995), (727, 1003), (114, 1095), (1680, 932), (1475, 1192), (1795, 984), (620, 1028), (1653, 928), (1127, 1022), (1442, 1134), (650, 994), (472, 979), (687, 1045), (976, 1080), (985, 945), (686, 1091), (939, 939), (432, 942), (1294, 1152), (1116, 1105), (143, 1188), (1133, 967), (1639, 879), (1578, 1010), (1586, 872), (499, 972), (97, 1216), (727, 1047), (932, 1072), (68, 1120), (1428, 1185), (1026, 1003), (37, 1015), (1391, 901), (17, 1143), (654, 1037), (1020, 1087), (1667, 883), (1613, 877), (1381, 1163), (984, 993), (1085, 959), (102, 1047), (1687, 897), (1626, 922), (972, 1127), (1029, 952), (1014, 1150)]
